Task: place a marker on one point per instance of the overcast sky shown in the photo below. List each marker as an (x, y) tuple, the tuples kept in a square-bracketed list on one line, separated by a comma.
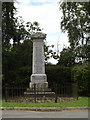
[(47, 13)]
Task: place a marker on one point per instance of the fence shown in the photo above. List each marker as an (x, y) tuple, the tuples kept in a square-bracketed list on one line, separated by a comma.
[(60, 92)]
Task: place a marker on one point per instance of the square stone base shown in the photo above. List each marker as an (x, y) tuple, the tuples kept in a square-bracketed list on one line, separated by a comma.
[(39, 80)]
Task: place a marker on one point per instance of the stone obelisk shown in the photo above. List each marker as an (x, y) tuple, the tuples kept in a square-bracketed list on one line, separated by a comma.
[(38, 76)]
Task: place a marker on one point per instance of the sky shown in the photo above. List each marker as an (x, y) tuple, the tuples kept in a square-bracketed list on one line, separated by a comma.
[(48, 15)]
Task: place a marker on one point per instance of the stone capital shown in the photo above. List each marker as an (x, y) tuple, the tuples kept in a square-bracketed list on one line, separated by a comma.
[(38, 35)]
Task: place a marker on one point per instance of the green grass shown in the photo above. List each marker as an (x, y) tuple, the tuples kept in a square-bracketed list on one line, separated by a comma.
[(82, 102)]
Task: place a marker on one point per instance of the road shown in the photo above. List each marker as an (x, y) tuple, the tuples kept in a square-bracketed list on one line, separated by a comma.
[(34, 114)]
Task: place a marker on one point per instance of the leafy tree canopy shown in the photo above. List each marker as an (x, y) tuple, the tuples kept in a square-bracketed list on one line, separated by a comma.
[(76, 22), (67, 57)]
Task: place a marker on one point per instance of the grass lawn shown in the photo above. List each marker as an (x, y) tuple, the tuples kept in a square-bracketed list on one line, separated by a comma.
[(82, 102)]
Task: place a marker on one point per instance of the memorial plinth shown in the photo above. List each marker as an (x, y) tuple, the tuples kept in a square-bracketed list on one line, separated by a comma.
[(38, 80), (38, 76)]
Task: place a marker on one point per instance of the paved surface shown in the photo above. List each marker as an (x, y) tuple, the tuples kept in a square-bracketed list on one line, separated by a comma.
[(44, 108), (37, 114)]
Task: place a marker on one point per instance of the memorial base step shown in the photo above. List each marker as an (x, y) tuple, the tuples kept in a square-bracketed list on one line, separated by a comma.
[(39, 92)]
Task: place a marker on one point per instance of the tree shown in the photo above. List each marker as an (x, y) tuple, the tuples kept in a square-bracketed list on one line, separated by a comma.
[(80, 75), (8, 23), (49, 53), (75, 20), (14, 27), (17, 65), (67, 57), (17, 56), (24, 30), (57, 74)]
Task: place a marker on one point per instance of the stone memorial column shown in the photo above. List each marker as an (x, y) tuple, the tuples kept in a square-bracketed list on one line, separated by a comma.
[(38, 76)]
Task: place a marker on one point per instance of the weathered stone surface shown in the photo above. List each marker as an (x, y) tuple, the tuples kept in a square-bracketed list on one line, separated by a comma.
[(38, 57), (38, 35), (38, 76)]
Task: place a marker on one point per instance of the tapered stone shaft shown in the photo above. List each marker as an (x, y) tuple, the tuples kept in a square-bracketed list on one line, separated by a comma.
[(38, 76)]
